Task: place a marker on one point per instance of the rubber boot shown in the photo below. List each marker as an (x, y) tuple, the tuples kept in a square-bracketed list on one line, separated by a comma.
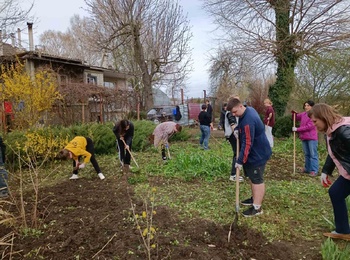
[(126, 168)]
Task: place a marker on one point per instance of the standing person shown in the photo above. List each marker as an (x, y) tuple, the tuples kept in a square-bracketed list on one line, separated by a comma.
[(209, 109), (80, 147), (162, 133), (230, 122), (337, 130), (124, 132), (204, 119), (269, 120), (222, 117), (309, 138), (3, 172), (254, 152)]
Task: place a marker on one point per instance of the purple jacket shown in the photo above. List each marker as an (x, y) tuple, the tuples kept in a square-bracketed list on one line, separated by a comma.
[(306, 130)]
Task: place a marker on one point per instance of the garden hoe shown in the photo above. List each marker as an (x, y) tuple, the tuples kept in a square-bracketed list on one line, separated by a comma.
[(130, 154), (167, 147), (235, 221)]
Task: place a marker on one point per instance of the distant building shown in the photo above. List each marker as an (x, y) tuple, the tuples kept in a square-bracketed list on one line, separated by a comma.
[(103, 86)]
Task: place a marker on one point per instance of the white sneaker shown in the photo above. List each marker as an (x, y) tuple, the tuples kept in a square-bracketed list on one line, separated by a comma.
[(233, 178), (102, 177), (74, 177)]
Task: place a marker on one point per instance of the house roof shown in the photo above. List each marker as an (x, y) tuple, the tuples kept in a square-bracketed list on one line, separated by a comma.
[(42, 56)]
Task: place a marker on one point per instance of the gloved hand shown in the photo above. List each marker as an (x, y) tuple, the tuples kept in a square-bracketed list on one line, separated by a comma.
[(325, 181), (294, 129), (81, 166), (239, 166), (294, 112), (167, 146), (235, 133)]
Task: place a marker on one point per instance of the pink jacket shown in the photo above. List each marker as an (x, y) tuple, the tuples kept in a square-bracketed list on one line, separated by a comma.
[(306, 130), (162, 132), (341, 170)]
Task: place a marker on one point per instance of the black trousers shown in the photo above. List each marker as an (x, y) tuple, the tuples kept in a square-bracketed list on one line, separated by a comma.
[(91, 149)]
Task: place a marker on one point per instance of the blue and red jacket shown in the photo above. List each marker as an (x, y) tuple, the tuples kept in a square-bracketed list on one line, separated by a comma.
[(255, 149)]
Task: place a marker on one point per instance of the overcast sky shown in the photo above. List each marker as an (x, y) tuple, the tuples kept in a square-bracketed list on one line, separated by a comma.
[(55, 15)]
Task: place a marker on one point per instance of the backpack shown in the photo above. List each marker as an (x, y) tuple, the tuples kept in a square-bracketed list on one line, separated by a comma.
[(178, 115)]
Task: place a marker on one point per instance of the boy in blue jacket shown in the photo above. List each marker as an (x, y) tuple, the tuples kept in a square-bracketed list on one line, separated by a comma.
[(254, 152)]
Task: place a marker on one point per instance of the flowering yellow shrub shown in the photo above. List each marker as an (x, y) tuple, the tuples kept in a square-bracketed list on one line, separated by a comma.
[(43, 144), (28, 95)]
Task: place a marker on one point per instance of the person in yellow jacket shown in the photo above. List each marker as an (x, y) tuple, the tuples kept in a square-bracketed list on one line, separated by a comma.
[(80, 147)]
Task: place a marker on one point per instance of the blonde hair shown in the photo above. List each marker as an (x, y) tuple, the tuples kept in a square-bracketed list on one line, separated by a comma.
[(267, 100), (63, 154)]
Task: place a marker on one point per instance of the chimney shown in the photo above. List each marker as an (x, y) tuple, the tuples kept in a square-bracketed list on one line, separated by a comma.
[(30, 34), (1, 44), (19, 38), (13, 39)]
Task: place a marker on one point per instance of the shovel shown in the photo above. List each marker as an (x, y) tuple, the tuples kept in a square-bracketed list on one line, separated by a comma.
[(235, 221)]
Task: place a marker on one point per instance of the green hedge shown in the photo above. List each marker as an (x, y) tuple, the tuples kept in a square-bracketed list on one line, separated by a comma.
[(283, 126), (54, 138)]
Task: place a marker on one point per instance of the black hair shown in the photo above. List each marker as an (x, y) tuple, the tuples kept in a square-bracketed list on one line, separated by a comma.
[(310, 102)]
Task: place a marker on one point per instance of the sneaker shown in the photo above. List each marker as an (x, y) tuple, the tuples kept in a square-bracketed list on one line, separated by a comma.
[(251, 212), (233, 178), (335, 234), (74, 177), (313, 174), (102, 177), (247, 202), (302, 170)]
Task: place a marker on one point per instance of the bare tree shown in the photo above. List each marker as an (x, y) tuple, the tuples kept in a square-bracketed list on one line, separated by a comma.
[(324, 79), (155, 33), (74, 43), (12, 14), (282, 31), (230, 74)]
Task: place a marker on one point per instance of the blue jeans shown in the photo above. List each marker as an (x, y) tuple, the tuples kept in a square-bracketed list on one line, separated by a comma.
[(3, 181), (311, 155), (338, 192), (204, 141)]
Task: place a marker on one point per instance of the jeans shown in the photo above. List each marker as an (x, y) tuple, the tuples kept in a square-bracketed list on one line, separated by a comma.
[(204, 141), (233, 142), (338, 192), (311, 155), (3, 180)]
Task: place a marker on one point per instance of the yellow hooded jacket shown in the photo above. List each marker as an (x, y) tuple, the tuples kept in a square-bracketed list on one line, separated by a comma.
[(78, 148)]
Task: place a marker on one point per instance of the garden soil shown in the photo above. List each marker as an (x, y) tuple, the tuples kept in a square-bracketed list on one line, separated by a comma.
[(92, 219)]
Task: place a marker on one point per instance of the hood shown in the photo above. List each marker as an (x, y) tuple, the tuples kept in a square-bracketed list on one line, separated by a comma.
[(343, 121)]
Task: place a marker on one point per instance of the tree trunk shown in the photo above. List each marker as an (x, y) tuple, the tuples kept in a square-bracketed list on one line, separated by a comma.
[(144, 67), (285, 56)]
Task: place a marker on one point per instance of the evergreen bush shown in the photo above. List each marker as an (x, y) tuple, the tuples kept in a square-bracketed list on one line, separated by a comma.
[(283, 126)]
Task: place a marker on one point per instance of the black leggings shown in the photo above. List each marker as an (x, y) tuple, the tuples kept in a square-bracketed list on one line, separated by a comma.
[(89, 148)]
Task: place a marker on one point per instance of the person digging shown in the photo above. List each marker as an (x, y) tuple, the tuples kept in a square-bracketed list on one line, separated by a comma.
[(80, 147)]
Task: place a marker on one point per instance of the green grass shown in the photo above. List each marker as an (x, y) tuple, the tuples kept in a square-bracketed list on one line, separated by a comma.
[(195, 184), (294, 208)]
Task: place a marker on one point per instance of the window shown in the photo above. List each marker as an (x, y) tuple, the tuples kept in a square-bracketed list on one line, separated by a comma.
[(109, 84), (91, 79)]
